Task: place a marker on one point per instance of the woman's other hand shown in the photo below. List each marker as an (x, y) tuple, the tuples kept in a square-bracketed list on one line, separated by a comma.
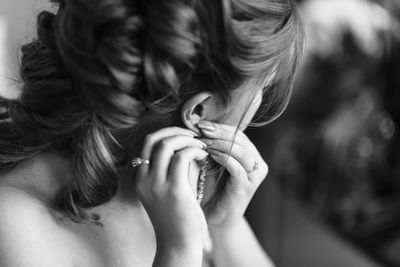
[(164, 189), (246, 167)]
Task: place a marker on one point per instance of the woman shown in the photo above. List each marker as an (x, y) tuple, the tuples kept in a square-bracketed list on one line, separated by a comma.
[(126, 144)]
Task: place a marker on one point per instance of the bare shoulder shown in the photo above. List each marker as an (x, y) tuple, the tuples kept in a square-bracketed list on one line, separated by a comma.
[(27, 233), (19, 204)]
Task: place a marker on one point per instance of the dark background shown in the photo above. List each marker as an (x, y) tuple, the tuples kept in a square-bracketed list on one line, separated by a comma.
[(333, 191)]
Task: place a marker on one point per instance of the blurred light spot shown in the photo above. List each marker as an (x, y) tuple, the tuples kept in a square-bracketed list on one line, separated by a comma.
[(365, 102), (365, 147), (326, 20), (386, 127)]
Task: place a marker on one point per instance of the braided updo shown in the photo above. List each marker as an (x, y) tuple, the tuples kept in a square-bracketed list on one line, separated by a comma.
[(98, 66)]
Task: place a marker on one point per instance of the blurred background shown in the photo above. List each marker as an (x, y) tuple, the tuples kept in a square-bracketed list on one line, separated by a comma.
[(333, 192), (332, 198)]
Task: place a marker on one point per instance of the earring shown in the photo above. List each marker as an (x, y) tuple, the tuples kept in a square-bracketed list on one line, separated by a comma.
[(202, 180)]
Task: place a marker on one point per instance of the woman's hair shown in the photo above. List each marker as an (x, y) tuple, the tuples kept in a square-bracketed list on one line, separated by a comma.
[(100, 66)]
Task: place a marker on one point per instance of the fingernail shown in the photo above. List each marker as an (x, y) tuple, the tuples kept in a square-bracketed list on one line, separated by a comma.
[(207, 126), (208, 142), (193, 133), (211, 151), (204, 145), (214, 156)]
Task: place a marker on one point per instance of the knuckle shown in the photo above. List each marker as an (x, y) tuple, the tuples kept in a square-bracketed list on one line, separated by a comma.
[(164, 144), (149, 139), (180, 156), (156, 191), (175, 193)]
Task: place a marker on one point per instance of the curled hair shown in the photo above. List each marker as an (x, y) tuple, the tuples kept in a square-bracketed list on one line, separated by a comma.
[(99, 66)]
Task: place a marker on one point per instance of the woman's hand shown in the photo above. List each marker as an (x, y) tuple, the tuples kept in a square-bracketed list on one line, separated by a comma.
[(246, 167), (163, 187)]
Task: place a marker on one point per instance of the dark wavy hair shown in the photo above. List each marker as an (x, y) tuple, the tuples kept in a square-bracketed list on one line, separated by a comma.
[(100, 66)]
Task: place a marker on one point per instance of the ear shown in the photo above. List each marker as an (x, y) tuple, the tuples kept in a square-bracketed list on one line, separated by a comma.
[(202, 106)]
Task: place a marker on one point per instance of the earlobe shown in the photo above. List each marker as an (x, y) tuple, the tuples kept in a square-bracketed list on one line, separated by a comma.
[(196, 108)]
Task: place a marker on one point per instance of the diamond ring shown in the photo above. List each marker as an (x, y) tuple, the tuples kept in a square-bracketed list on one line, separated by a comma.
[(138, 161)]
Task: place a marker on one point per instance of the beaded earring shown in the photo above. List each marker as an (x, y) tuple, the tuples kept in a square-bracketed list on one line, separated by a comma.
[(202, 180)]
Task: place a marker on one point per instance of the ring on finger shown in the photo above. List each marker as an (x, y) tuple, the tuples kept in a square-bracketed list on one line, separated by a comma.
[(138, 161)]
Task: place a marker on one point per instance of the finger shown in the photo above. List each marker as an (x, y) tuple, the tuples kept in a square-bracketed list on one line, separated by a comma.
[(154, 138), (214, 130), (255, 174), (239, 152), (164, 151), (235, 169), (179, 170)]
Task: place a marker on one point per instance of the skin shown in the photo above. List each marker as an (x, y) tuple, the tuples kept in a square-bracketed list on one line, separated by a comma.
[(155, 221)]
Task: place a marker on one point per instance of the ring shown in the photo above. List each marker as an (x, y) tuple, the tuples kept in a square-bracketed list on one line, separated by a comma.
[(255, 167), (138, 161)]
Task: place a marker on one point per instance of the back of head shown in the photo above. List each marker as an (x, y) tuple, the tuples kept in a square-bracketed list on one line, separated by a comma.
[(100, 66)]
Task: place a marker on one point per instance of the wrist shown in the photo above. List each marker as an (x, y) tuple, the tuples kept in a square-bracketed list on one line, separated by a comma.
[(220, 231), (169, 255), (179, 246), (178, 243)]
